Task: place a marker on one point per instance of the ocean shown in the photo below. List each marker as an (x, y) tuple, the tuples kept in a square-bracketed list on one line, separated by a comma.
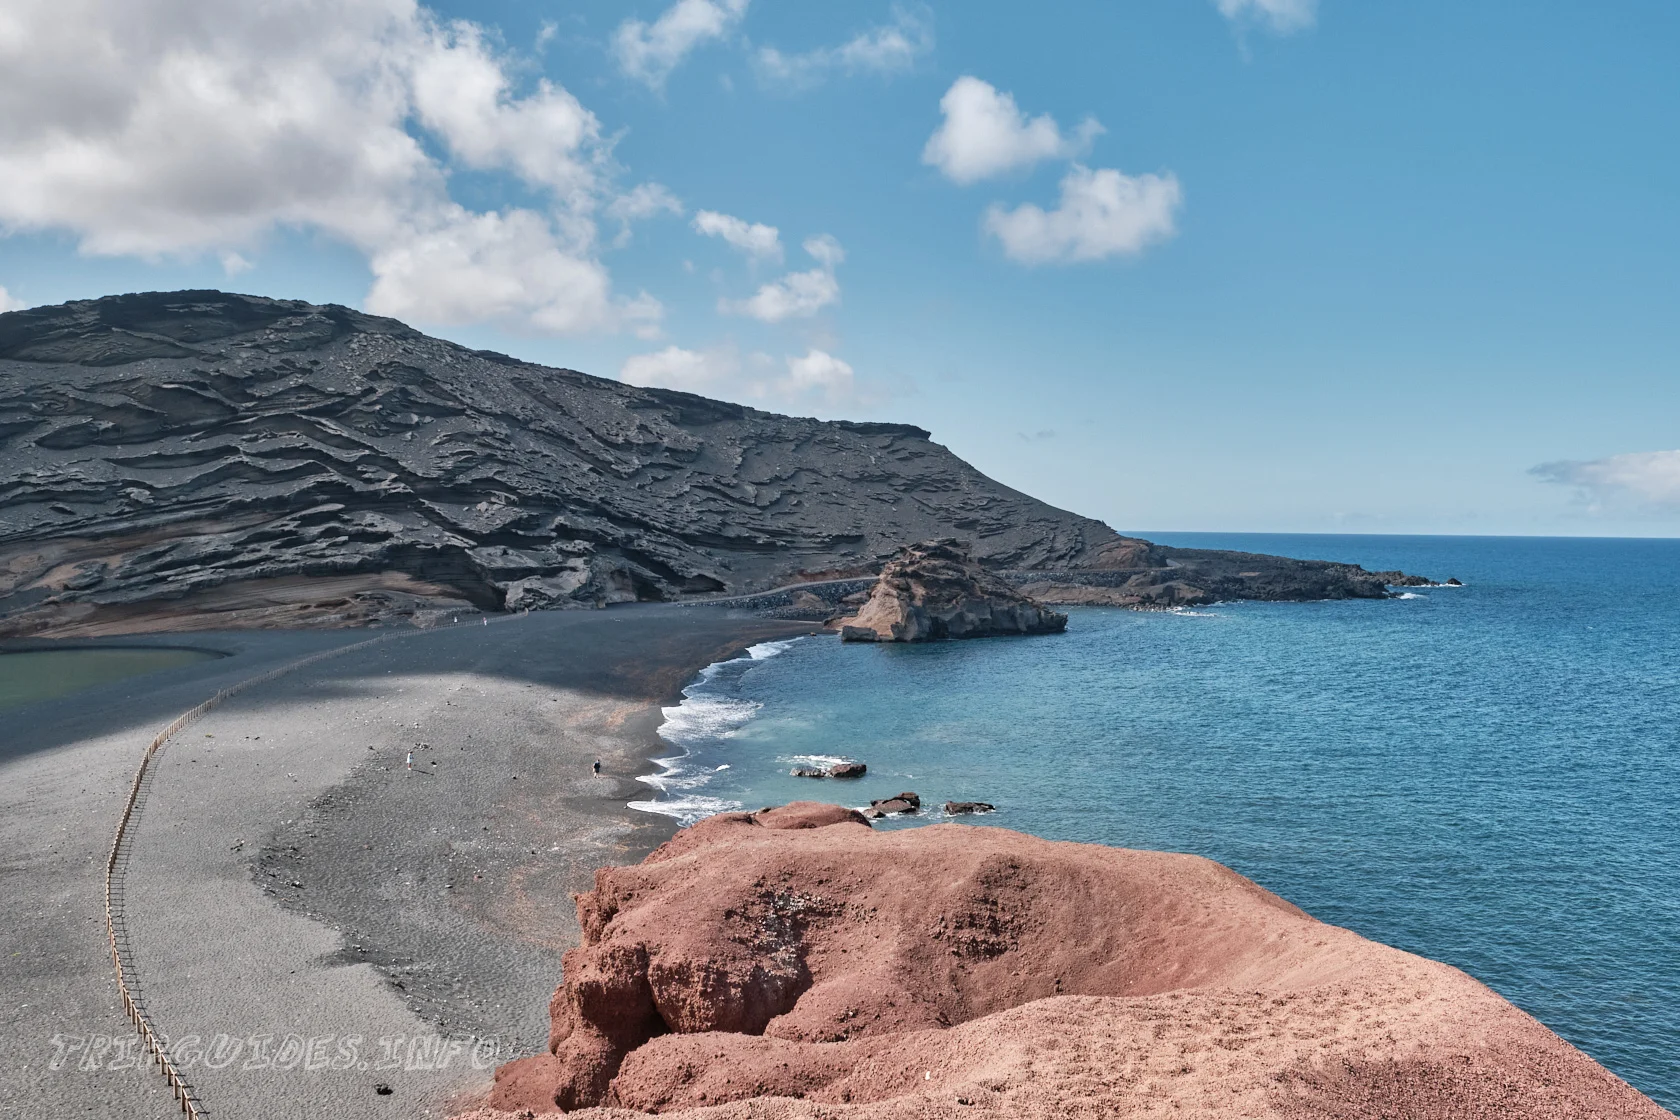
[(1487, 775)]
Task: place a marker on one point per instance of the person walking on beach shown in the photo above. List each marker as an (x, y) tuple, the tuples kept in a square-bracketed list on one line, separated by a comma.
[(597, 768), (410, 760)]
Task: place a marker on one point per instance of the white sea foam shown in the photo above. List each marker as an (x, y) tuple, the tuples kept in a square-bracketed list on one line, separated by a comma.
[(688, 809), (822, 760), (1412, 595), (705, 715)]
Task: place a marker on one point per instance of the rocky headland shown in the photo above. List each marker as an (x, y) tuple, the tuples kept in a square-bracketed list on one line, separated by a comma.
[(197, 459), (797, 963), (935, 590)]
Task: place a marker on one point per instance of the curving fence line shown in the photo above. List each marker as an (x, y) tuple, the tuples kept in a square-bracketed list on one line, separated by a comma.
[(116, 863)]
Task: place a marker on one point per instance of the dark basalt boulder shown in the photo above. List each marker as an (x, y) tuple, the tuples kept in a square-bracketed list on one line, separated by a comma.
[(848, 770), (956, 808), (891, 806)]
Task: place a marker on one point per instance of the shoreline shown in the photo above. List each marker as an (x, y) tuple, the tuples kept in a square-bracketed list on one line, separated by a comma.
[(428, 903)]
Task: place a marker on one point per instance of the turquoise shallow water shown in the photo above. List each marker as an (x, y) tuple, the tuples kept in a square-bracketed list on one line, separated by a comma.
[(1489, 776)]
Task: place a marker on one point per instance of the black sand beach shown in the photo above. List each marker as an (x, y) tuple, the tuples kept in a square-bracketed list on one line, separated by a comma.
[(291, 878)]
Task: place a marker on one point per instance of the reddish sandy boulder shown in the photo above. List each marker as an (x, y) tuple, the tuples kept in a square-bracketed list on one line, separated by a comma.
[(933, 590), (756, 967)]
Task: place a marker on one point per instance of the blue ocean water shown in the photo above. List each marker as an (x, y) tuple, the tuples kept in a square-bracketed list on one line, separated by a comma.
[(1486, 775)]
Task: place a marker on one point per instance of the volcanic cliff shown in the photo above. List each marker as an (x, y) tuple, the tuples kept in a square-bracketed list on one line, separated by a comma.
[(797, 963), (197, 458)]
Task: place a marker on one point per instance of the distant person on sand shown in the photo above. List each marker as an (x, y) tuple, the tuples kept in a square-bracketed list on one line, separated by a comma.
[(409, 762), (597, 768)]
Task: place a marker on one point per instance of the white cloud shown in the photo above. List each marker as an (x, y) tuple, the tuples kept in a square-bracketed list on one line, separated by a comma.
[(693, 371), (1282, 16), (649, 52), (645, 200), (825, 250), (10, 303), (818, 372), (759, 241), (1102, 213), (177, 127), (887, 49), (498, 267), (234, 263), (985, 133), (797, 295), (816, 378), (1647, 477)]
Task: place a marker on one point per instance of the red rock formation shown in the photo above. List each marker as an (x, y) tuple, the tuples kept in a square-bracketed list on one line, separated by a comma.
[(933, 590), (798, 955)]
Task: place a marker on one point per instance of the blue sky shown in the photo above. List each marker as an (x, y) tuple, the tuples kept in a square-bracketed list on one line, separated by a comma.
[(1178, 264)]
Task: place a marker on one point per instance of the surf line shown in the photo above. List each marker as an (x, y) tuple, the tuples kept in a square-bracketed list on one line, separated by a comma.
[(704, 715)]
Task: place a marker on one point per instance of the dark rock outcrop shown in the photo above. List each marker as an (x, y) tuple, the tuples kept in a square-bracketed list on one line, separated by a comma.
[(897, 804), (934, 590), (195, 459), (848, 770), (748, 970), (955, 808)]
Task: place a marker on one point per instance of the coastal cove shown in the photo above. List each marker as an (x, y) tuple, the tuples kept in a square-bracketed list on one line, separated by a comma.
[(1482, 775)]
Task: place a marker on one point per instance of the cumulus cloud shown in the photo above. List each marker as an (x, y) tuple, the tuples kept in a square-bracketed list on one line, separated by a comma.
[(1281, 16), (10, 303), (819, 373), (1650, 478), (177, 127), (693, 371), (649, 52), (885, 49), (813, 379), (1102, 213), (503, 266), (985, 133), (759, 241), (797, 295)]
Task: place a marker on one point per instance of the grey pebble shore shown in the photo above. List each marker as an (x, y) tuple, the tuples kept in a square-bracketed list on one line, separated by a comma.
[(309, 918)]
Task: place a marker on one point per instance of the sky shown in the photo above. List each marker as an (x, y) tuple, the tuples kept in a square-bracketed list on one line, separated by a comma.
[(1226, 265)]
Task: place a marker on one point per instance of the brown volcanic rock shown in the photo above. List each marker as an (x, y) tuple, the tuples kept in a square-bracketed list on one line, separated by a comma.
[(934, 590), (835, 971)]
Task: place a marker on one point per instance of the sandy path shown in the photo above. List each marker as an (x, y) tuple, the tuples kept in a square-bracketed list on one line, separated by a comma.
[(451, 881)]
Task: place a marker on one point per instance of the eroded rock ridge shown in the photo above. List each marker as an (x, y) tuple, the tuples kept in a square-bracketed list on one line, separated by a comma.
[(203, 459)]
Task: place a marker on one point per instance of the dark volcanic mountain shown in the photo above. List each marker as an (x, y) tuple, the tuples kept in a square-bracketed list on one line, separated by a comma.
[(196, 459)]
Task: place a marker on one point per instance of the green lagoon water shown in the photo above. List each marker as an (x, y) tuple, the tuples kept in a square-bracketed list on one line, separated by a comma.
[(33, 675)]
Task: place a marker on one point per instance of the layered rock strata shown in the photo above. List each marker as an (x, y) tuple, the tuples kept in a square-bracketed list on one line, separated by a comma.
[(194, 459), (935, 590), (796, 963)]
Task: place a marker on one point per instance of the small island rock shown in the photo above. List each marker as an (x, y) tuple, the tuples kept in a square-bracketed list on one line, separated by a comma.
[(952, 808), (848, 770), (934, 590)]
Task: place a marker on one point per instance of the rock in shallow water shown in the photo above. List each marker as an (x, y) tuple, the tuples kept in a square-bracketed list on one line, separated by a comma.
[(935, 590)]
